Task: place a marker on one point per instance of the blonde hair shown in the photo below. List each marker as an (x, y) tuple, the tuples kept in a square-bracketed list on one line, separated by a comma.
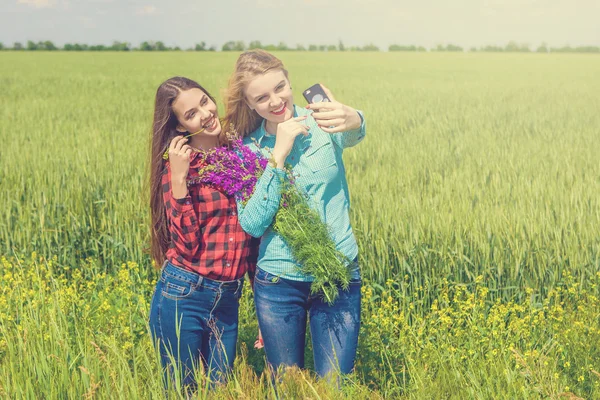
[(238, 116)]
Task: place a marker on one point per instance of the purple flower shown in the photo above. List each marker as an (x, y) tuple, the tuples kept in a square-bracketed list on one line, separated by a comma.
[(234, 170)]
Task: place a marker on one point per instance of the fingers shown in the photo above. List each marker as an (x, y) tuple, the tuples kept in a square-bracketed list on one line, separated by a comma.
[(173, 142), (177, 143), (327, 92), (324, 105), (335, 129), (298, 119), (339, 113), (330, 122), (301, 129)]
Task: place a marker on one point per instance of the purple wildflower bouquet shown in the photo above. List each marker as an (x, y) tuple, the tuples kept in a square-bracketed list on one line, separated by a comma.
[(235, 170)]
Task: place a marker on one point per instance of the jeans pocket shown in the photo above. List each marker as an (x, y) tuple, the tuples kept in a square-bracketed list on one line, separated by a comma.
[(264, 278), (175, 288)]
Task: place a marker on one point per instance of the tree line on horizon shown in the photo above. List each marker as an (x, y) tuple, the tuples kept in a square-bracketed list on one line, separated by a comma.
[(241, 46)]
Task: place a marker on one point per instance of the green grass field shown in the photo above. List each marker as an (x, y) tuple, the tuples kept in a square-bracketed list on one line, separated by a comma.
[(475, 201)]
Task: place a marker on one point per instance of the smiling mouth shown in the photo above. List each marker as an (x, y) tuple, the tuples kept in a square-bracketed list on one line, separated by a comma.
[(280, 110), (211, 124)]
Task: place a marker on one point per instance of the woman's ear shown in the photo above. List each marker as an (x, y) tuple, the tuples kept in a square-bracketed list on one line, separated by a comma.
[(248, 104), (180, 129)]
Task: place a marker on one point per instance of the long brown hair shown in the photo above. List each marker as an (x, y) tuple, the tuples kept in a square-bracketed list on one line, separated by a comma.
[(163, 131), (238, 116)]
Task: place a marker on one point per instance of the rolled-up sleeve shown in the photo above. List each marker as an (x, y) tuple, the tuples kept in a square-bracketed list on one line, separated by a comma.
[(257, 214), (353, 137), (183, 221)]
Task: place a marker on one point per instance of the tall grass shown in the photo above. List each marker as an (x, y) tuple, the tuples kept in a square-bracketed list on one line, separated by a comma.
[(479, 172)]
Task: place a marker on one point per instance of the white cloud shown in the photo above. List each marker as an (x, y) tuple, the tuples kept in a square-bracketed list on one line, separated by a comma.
[(147, 10), (38, 3)]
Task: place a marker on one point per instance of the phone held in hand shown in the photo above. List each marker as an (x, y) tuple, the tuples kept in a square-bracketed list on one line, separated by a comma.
[(315, 94)]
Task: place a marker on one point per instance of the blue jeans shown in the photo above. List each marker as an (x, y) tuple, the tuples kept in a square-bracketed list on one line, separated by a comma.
[(282, 307), (195, 320)]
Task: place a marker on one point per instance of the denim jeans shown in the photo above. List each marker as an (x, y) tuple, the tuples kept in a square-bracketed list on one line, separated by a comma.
[(282, 307), (195, 320)]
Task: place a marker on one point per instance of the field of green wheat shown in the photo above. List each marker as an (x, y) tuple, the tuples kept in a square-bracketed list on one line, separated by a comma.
[(475, 199)]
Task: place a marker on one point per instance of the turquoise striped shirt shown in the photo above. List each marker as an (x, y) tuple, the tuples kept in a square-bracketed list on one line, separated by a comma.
[(317, 162)]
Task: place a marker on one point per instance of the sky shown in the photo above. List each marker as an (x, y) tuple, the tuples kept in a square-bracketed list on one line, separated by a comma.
[(468, 23)]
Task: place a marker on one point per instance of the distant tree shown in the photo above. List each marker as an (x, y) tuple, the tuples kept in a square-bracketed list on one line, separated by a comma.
[(200, 46), (282, 47), (146, 46), (119, 46), (341, 46), (511, 47), (473, 49), (160, 46), (564, 49), (97, 47), (452, 47), (332, 47), (1, 46), (17, 46), (516, 48), (300, 47), (543, 48), (234, 46), (48, 45), (448, 47), (176, 48), (370, 47), (421, 48), (255, 44), (270, 47), (396, 47), (31, 46), (587, 49), (492, 49), (322, 47), (212, 48), (312, 47)]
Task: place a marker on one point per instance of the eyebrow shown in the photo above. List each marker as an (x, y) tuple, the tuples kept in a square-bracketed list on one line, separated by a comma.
[(187, 113), (260, 95)]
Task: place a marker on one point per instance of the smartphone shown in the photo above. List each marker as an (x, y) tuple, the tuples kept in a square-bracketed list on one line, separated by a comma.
[(315, 94)]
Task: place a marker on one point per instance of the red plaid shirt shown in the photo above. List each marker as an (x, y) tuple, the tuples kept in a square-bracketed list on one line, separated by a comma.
[(206, 236)]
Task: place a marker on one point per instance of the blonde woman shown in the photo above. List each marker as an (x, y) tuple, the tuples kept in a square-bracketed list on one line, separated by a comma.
[(260, 106)]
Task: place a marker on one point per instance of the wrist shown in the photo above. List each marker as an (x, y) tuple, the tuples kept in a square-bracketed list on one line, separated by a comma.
[(356, 121), (272, 162), (277, 160)]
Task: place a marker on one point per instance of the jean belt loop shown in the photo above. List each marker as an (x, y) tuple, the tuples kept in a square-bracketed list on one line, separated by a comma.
[(164, 265), (200, 279)]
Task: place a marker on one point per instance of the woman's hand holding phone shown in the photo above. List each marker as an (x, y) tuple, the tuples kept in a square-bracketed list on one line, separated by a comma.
[(333, 116)]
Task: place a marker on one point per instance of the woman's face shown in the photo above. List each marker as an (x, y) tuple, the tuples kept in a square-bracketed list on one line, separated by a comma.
[(194, 111), (271, 96)]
